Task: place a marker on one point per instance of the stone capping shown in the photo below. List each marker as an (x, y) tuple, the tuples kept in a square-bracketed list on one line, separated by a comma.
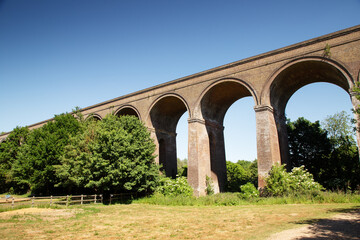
[(262, 108), (196, 120)]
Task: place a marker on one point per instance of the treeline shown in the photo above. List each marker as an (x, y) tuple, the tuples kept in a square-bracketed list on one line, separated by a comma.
[(70, 155), (327, 150)]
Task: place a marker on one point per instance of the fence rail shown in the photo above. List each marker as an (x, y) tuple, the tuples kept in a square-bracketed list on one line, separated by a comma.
[(51, 200)]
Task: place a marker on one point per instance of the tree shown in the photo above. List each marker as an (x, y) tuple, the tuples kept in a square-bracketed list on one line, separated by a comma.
[(308, 145), (339, 128), (112, 155), (33, 168), (332, 160), (9, 150), (240, 173)]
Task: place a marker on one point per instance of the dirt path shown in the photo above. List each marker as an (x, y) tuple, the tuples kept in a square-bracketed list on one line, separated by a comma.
[(341, 226)]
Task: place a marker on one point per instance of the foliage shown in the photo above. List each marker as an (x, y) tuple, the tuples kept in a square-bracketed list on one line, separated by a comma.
[(331, 158), (174, 187), (339, 127), (248, 191), (209, 186), (240, 173), (113, 155), (9, 150), (182, 167), (298, 181), (34, 167)]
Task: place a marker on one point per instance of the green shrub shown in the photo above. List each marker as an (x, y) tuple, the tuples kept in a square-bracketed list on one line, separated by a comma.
[(174, 187), (248, 191), (298, 181)]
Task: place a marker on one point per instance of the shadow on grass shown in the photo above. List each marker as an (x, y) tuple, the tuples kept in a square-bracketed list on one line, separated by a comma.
[(346, 226)]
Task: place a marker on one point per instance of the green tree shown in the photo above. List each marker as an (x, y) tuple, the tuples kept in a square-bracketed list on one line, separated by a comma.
[(240, 173), (113, 155), (34, 167), (9, 150), (339, 128), (332, 159), (308, 145)]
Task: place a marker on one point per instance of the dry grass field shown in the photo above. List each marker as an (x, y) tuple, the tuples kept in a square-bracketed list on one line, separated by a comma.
[(142, 221)]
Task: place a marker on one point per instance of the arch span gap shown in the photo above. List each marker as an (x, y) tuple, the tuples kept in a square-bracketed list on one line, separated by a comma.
[(127, 111), (315, 102), (240, 131), (214, 105), (165, 115)]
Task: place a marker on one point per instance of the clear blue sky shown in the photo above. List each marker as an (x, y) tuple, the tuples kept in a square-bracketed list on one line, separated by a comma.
[(58, 54)]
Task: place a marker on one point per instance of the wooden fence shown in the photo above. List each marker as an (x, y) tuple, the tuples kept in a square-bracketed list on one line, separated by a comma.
[(52, 200)]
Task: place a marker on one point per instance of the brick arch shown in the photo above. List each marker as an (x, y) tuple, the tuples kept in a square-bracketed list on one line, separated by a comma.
[(94, 116), (290, 78), (213, 104), (217, 98), (164, 115), (300, 72), (127, 110)]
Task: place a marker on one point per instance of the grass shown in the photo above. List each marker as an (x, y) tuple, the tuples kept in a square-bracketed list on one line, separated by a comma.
[(144, 221), (233, 199)]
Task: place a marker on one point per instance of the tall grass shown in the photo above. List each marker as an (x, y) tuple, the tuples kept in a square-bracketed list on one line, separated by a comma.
[(231, 199)]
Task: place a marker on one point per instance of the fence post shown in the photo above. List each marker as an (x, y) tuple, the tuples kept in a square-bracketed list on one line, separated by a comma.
[(32, 201), (82, 198), (101, 198), (67, 200), (50, 200), (95, 199), (12, 202), (110, 198)]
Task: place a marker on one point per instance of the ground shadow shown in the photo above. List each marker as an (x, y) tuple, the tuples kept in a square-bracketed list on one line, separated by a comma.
[(342, 227)]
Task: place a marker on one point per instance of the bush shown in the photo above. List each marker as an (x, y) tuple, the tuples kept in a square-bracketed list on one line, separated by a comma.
[(298, 181), (174, 187), (248, 191)]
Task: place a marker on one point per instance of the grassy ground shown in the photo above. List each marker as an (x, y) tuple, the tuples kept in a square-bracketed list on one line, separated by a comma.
[(143, 221)]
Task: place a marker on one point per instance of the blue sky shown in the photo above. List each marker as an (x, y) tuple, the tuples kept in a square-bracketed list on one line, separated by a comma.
[(55, 55)]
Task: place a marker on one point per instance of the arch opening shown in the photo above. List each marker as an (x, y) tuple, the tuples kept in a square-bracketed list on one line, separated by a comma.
[(165, 115), (93, 117), (214, 106), (127, 111), (294, 78)]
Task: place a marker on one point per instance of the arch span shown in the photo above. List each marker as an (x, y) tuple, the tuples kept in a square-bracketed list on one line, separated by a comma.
[(295, 75), (214, 103), (127, 110), (164, 115), (94, 116)]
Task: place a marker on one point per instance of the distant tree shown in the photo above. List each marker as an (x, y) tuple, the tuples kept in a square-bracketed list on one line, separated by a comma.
[(332, 159), (240, 173), (9, 150), (33, 168), (339, 128), (182, 167), (308, 145), (112, 155)]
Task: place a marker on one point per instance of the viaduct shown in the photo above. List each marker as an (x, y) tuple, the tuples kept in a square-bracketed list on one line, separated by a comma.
[(270, 79)]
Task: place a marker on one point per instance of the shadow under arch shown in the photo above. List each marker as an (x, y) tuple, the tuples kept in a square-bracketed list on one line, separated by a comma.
[(215, 102), (164, 114), (295, 75), (127, 110)]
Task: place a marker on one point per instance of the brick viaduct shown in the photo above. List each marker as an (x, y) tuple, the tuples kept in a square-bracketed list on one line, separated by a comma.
[(270, 79)]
